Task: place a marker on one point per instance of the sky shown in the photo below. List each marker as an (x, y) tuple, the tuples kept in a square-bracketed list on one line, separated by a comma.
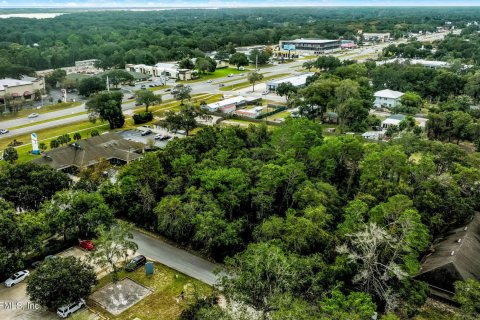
[(227, 3)]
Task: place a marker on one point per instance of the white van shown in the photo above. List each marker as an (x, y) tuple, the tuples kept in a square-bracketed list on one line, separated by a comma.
[(65, 311)]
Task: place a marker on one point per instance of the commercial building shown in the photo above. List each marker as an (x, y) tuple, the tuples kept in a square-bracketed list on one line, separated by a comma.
[(348, 45), (162, 69), (23, 88), (298, 81), (306, 47), (82, 66), (226, 106), (376, 37), (81, 154), (387, 98), (250, 113), (433, 64)]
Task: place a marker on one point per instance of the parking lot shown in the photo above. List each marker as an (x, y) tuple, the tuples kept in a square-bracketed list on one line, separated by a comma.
[(14, 302), (136, 135)]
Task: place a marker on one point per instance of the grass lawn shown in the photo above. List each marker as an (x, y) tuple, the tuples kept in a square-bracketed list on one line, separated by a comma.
[(48, 108), (157, 88), (166, 284), (245, 84), (218, 73)]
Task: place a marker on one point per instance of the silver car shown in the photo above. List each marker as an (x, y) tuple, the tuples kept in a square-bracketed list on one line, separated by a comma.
[(16, 278), (33, 115)]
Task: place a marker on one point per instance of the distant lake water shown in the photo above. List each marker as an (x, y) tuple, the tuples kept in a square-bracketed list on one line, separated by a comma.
[(31, 15)]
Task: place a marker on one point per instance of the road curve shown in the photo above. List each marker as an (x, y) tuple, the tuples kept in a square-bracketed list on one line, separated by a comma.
[(175, 258)]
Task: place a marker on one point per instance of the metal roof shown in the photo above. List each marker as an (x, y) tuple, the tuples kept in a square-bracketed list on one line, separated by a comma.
[(455, 257)]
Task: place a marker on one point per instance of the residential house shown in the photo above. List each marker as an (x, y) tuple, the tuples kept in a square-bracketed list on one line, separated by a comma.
[(387, 98), (454, 257)]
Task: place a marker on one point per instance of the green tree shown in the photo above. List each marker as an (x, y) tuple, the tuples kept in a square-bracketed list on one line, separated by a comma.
[(182, 93), (61, 281), (91, 85), (94, 133), (77, 213), (28, 185), (107, 106), (259, 56), (112, 245), (254, 77), (147, 98), (77, 136), (467, 294), (10, 155), (186, 64), (55, 78), (286, 89), (117, 77), (239, 59), (411, 102)]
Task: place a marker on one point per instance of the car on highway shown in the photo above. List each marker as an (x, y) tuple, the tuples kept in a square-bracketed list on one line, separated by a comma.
[(136, 263), (66, 310), (209, 81), (131, 98), (241, 74), (221, 85), (168, 90), (86, 244), (230, 75), (3, 131), (33, 115), (265, 92), (17, 277)]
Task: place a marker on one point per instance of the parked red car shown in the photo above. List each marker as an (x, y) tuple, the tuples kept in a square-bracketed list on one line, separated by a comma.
[(86, 244)]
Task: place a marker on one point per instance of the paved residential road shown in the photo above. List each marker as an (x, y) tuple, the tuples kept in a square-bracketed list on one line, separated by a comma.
[(175, 258)]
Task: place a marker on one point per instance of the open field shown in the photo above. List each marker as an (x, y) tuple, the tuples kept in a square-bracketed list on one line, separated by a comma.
[(164, 302), (218, 73)]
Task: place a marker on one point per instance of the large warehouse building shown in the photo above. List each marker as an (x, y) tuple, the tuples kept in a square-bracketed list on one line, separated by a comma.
[(306, 46)]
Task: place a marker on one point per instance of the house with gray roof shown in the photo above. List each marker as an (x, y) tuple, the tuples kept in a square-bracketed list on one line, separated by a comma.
[(456, 257)]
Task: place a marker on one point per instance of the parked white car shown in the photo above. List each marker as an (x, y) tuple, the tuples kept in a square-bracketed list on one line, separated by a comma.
[(16, 278), (65, 311)]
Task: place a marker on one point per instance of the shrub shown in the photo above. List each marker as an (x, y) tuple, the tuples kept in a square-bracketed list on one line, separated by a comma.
[(142, 117)]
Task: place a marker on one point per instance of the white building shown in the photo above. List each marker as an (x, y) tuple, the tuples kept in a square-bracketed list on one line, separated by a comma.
[(225, 105), (387, 98), (373, 135), (82, 66), (433, 64), (250, 113), (297, 81), (382, 37), (162, 69), (395, 119)]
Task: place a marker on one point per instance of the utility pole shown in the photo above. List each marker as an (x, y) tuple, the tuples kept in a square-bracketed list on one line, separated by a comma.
[(108, 85), (256, 62)]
